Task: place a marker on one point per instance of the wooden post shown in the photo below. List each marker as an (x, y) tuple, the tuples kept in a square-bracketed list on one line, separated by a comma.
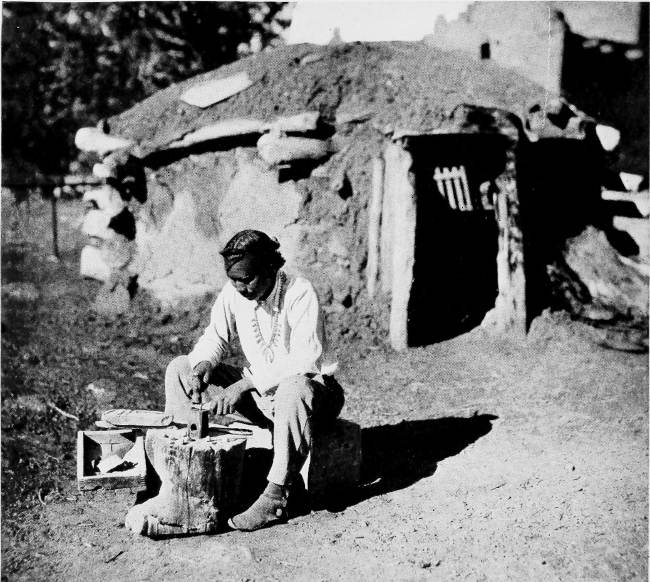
[(509, 314), (55, 228), (403, 217), (374, 225)]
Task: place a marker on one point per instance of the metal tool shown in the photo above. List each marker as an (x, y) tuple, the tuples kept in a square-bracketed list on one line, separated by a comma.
[(197, 423)]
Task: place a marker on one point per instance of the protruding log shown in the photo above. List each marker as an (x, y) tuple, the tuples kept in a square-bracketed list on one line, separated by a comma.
[(200, 482), (302, 122), (218, 130), (274, 149), (91, 139)]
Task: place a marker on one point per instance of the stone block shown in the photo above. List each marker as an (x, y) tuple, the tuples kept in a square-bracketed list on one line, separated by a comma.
[(334, 464)]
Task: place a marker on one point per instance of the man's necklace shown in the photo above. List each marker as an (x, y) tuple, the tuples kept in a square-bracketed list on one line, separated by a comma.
[(267, 347)]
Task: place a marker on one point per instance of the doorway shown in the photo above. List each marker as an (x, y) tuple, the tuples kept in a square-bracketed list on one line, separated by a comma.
[(455, 270)]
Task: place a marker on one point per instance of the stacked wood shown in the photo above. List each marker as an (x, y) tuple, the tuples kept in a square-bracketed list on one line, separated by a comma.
[(109, 253), (109, 223), (91, 139), (200, 481)]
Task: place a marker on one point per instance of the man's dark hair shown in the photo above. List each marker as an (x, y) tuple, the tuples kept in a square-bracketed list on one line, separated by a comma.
[(256, 243)]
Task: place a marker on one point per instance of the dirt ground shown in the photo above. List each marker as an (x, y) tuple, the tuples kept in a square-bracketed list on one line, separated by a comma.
[(483, 459)]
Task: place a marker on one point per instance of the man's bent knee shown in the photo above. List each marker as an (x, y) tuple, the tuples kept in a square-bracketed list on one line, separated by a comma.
[(179, 366), (294, 389)]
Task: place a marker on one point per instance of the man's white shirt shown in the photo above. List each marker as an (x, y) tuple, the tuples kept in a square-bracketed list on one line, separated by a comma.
[(301, 346)]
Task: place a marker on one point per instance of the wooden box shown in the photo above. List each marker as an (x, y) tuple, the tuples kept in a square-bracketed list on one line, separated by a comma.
[(120, 453)]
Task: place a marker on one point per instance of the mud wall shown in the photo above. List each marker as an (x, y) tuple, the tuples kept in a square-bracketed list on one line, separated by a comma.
[(332, 248), (195, 205), (198, 202)]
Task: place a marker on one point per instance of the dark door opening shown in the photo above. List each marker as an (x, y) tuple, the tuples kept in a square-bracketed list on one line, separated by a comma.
[(455, 273)]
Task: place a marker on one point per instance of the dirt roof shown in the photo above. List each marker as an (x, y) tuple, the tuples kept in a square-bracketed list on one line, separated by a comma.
[(405, 85)]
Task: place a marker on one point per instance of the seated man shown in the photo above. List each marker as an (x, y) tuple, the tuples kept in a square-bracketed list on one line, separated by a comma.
[(278, 321)]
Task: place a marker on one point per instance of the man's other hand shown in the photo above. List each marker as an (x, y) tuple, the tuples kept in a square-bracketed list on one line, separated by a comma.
[(227, 399), (200, 377)]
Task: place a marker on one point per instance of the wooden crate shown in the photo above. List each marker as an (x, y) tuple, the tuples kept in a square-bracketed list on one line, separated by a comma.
[(94, 446)]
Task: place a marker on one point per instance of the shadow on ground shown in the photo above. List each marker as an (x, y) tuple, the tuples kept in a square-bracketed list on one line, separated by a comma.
[(394, 456), (397, 455)]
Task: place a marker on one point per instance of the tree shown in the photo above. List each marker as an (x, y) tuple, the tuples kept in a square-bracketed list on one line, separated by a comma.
[(66, 65)]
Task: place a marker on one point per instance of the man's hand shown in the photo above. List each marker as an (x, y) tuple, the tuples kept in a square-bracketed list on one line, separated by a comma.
[(227, 399), (199, 379)]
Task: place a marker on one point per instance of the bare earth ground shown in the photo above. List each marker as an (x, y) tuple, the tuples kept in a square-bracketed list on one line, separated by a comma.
[(483, 459)]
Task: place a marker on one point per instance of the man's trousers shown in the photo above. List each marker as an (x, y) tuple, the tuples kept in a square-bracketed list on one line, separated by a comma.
[(297, 404)]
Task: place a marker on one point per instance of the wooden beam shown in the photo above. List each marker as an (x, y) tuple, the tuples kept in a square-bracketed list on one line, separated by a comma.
[(374, 225)]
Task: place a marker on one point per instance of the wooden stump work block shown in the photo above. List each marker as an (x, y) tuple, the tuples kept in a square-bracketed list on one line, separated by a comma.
[(200, 481)]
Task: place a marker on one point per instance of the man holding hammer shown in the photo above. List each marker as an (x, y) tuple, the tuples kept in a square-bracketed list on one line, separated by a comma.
[(279, 324)]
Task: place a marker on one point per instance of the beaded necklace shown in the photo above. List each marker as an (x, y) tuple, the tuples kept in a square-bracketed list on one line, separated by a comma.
[(267, 347)]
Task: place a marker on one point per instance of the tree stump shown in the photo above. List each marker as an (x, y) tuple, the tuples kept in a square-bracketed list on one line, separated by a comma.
[(200, 482)]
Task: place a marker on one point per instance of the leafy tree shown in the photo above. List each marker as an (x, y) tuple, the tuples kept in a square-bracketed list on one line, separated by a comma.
[(65, 65)]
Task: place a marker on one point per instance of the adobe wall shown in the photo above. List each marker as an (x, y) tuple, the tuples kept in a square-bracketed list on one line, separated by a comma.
[(194, 206), (197, 203), (525, 36)]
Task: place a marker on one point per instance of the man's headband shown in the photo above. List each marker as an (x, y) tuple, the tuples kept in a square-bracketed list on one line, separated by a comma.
[(248, 261)]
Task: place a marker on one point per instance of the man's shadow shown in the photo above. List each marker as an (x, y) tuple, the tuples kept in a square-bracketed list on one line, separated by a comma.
[(394, 456)]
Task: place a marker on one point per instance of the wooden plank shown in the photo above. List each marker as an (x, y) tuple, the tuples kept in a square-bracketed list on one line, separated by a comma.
[(211, 92), (464, 188), (449, 190)]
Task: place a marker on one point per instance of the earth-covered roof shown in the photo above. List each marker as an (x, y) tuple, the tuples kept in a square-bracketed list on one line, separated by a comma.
[(398, 84)]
